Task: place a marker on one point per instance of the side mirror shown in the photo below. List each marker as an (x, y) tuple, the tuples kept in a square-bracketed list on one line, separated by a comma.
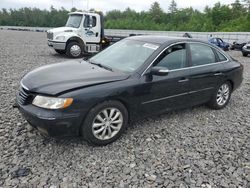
[(159, 71)]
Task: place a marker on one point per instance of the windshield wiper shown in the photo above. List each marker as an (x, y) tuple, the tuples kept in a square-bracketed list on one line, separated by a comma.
[(101, 65)]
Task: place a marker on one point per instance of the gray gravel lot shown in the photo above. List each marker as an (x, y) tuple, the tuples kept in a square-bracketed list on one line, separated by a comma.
[(196, 147)]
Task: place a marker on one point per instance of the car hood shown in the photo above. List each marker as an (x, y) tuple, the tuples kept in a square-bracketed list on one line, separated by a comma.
[(61, 77), (62, 29)]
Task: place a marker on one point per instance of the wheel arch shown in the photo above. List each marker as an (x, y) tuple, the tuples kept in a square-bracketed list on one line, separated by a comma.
[(231, 82), (122, 101), (76, 39)]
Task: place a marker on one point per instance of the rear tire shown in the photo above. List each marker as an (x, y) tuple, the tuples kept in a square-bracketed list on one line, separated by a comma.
[(74, 50), (221, 96), (60, 51), (105, 123)]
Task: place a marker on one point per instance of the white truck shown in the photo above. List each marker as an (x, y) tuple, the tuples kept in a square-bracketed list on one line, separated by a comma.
[(83, 33)]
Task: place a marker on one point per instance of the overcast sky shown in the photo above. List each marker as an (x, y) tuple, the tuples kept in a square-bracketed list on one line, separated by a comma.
[(106, 5)]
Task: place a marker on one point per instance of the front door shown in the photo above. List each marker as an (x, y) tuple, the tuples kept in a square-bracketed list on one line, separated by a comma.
[(162, 93), (92, 28)]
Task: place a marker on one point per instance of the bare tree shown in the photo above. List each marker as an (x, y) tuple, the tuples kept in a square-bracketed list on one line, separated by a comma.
[(173, 7)]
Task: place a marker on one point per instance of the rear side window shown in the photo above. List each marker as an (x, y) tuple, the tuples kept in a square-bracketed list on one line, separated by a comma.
[(221, 57), (173, 58), (201, 54)]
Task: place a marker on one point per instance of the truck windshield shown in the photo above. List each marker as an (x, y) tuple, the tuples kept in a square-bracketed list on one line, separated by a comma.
[(126, 55), (74, 21)]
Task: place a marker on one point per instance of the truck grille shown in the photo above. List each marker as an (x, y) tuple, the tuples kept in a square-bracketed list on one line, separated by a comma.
[(24, 96), (50, 35)]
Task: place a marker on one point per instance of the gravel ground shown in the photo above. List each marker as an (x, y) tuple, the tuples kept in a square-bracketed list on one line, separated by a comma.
[(196, 147)]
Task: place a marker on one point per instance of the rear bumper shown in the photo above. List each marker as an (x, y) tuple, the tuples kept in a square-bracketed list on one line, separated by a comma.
[(51, 122), (57, 45)]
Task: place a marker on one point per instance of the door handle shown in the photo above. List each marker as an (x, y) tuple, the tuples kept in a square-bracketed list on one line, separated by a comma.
[(217, 73), (183, 80)]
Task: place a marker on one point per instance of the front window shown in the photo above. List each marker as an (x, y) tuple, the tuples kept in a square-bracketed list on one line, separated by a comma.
[(89, 21), (74, 20), (174, 57), (126, 55)]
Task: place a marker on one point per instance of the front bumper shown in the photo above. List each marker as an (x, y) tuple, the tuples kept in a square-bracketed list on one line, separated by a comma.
[(52, 122), (57, 45)]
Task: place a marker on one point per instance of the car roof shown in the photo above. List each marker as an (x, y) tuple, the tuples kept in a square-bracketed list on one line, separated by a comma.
[(82, 13), (163, 39), (166, 40)]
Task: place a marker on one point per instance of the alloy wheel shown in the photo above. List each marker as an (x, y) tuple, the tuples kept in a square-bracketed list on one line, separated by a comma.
[(223, 94), (107, 123)]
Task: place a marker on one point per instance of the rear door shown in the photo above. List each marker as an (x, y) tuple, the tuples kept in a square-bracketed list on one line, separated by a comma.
[(206, 72)]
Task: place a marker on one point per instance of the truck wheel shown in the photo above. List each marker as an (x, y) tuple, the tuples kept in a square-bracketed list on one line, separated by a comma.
[(105, 123), (74, 49), (60, 51)]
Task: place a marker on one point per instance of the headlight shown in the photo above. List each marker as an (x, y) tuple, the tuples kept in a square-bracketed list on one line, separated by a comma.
[(60, 38), (52, 102), (245, 47)]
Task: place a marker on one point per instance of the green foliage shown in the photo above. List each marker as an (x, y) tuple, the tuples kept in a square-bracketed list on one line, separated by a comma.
[(34, 17), (234, 17)]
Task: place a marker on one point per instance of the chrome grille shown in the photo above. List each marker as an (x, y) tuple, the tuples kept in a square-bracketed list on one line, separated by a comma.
[(24, 96), (50, 35)]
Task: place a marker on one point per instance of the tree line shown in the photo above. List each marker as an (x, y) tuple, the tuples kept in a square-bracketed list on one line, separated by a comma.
[(220, 17)]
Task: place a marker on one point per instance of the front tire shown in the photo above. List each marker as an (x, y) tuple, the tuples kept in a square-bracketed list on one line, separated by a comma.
[(105, 123), (221, 96), (74, 50)]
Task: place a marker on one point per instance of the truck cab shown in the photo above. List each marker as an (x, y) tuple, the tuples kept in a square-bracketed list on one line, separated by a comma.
[(83, 33)]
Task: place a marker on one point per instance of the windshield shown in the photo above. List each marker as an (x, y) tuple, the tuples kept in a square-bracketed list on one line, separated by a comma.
[(74, 21), (126, 55)]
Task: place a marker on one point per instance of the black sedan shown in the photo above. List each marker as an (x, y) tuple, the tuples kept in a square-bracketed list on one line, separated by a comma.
[(134, 78)]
